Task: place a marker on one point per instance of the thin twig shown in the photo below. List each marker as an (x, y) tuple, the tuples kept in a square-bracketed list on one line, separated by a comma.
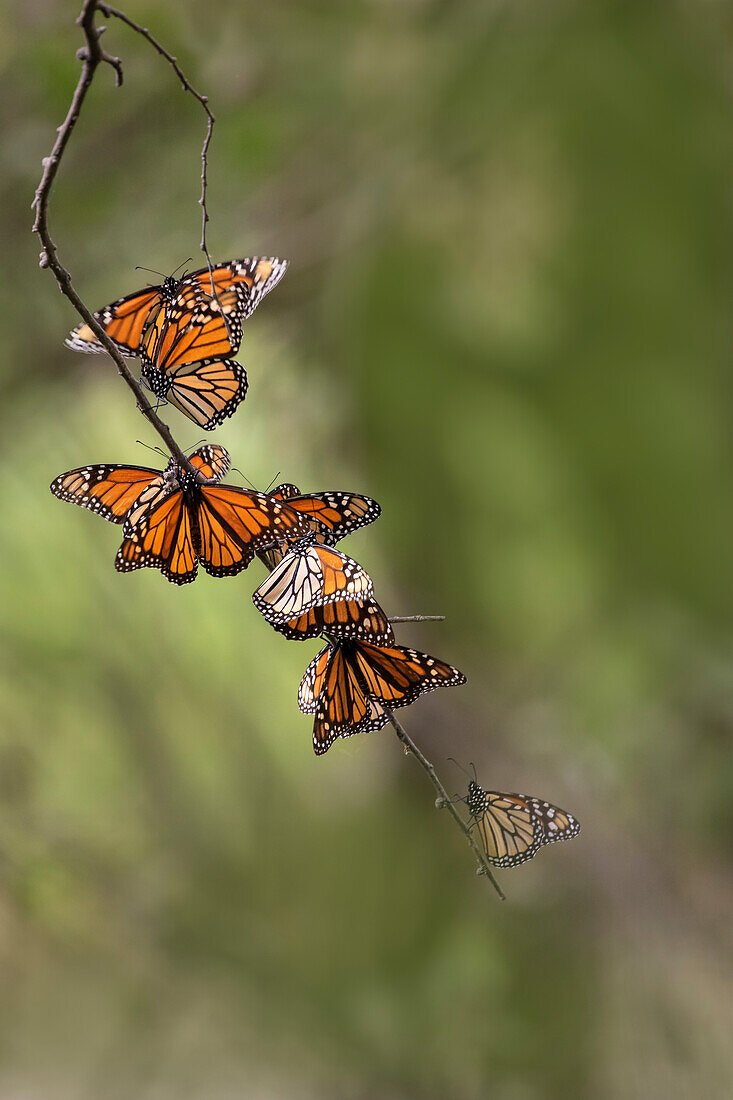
[(443, 800), (417, 618), (203, 100), (91, 56)]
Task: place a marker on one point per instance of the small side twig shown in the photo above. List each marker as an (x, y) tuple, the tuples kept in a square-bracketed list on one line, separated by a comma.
[(202, 99), (443, 800), (417, 618)]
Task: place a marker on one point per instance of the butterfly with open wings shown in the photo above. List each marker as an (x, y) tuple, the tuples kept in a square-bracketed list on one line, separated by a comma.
[(172, 520)]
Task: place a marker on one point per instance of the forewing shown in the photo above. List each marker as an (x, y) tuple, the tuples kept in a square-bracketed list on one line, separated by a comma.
[(336, 514), (396, 676), (110, 491), (124, 321), (185, 334), (212, 461), (253, 277), (343, 709)]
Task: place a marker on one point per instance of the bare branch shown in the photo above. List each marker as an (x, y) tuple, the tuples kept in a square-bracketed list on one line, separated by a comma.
[(91, 56), (443, 801)]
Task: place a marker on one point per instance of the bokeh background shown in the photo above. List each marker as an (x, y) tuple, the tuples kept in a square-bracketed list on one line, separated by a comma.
[(508, 317)]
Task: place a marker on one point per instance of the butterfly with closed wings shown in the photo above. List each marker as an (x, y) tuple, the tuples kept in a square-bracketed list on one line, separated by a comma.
[(309, 576), (350, 685), (513, 827)]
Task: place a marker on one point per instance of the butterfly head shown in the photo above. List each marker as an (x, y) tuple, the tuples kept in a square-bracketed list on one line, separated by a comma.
[(171, 287), (309, 538)]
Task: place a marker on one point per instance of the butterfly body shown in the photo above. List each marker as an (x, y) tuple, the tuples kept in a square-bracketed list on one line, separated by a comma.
[(513, 827)]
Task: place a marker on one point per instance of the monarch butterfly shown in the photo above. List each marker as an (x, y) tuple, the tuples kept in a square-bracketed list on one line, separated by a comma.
[(361, 619), (330, 516), (348, 685), (173, 521), (513, 827), (239, 287), (309, 576)]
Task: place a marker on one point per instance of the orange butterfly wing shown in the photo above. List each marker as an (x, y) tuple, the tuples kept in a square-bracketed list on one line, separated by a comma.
[(212, 461), (309, 576), (235, 524), (110, 491), (312, 682), (163, 539), (208, 392), (188, 331), (363, 619), (124, 321), (396, 676), (343, 708), (251, 277)]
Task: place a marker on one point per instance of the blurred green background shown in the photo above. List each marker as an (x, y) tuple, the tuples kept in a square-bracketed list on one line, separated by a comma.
[(508, 318)]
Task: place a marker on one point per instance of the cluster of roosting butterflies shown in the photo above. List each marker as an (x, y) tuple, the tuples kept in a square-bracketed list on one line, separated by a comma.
[(184, 332)]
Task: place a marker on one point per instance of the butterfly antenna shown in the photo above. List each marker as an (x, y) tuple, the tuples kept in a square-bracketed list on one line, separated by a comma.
[(236, 470), (277, 475), (465, 772), (198, 443), (148, 447), (188, 261), (151, 271)]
